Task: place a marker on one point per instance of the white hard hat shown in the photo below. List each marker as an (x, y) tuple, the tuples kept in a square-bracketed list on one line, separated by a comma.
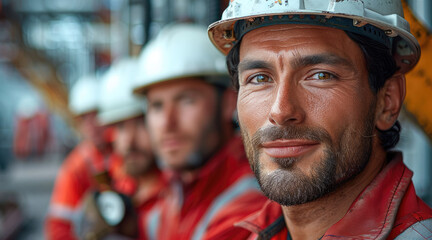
[(180, 51), (27, 106), (380, 20), (117, 102), (84, 95)]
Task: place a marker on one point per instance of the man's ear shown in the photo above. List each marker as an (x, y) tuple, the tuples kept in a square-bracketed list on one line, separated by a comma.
[(229, 104), (390, 100)]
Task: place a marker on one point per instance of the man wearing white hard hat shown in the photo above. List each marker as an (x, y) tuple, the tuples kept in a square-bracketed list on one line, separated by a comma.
[(320, 87), (89, 158), (189, 115), (138, 177)]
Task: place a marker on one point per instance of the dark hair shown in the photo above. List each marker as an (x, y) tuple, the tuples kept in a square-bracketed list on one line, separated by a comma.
[(379, 63)]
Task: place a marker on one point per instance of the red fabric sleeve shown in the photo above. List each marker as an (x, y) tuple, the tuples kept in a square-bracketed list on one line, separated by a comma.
[(58, 229)]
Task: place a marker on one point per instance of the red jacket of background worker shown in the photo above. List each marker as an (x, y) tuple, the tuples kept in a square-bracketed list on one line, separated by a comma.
[(223, 192), (73, 181)]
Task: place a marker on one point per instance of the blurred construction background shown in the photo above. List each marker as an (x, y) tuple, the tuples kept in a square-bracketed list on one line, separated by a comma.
[(46, 45)]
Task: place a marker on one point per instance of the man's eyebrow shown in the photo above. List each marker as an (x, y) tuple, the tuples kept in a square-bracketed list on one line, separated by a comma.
[(252, 64), (298, 62), (186, 93), (325, 58)]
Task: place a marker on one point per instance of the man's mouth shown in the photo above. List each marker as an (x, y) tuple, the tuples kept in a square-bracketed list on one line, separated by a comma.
[(171, 143), (288, 148)]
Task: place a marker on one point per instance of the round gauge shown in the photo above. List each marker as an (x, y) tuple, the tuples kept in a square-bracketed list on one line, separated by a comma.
[(111, 207)]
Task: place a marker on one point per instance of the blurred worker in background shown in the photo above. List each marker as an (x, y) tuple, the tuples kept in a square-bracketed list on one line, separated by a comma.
[(320, 88), (32, 130), (138, 177), (190, 121), (88, 159)]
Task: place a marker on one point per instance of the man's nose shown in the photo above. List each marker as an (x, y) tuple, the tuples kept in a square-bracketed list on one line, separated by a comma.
[(130, 136), (286, 107), (169, 116)]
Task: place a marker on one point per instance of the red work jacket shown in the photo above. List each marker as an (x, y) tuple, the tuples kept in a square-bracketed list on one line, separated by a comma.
[(386, 208), (223, 192), (143, 203), (146, 204), (73, 181)]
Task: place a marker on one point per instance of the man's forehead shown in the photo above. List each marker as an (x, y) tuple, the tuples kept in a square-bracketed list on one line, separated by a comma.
[(287, 32), (298, 40)]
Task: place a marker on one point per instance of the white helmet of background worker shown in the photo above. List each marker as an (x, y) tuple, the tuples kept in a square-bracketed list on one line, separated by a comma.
[(380, 20), (84, 97), (179, 51), (117, 103)]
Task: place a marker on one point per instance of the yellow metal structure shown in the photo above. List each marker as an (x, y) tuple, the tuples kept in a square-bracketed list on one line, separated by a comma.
[(42, 74), (418, 99)]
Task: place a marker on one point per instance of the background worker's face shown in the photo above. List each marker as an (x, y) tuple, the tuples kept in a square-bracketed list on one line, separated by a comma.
[(305, 109), (183, 121), (90, 128), (133, 144)]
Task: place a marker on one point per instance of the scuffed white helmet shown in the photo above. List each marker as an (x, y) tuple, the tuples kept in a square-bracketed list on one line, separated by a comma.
[(380, 20)]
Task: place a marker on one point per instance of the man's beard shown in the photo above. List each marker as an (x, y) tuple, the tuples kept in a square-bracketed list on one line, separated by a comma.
[(289, 185), (194, 160), (138, 163)]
